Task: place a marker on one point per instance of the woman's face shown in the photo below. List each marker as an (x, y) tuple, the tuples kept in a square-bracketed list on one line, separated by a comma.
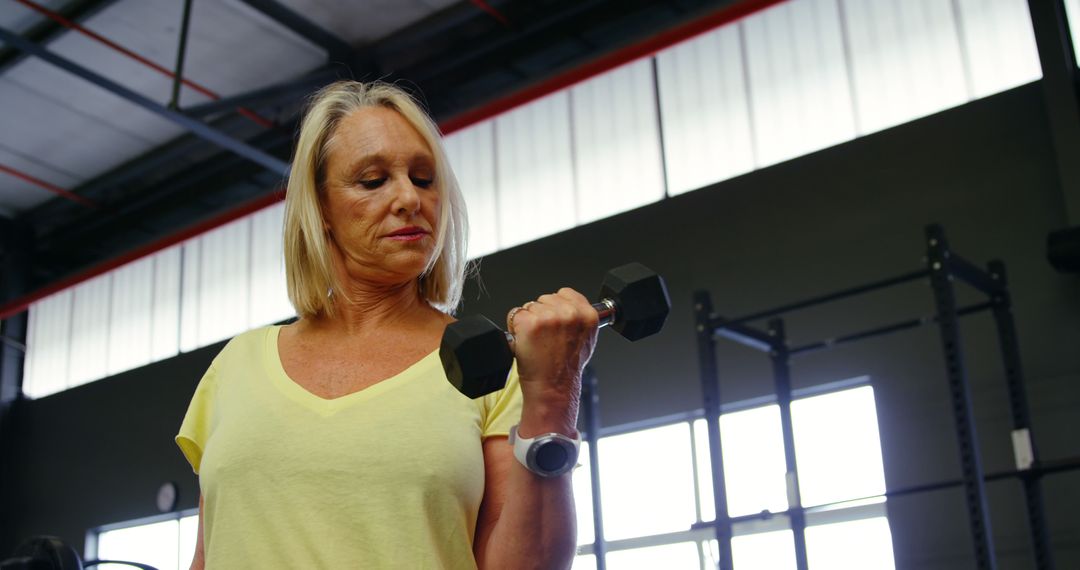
[(380, 202)]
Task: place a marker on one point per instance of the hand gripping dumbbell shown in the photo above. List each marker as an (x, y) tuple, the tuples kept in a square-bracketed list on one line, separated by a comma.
[(476, 353)]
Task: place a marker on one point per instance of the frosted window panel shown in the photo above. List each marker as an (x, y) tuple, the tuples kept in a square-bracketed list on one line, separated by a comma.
[(586, 532), (799, 88), (89, 330), (33, 363), (616, 142), (269, 296), (154, 544), (754, 468), (58, 334), (704, 112), (906, 60), (131, 315), (47, 347), (837, 446), (190, 294), (1072, 12), (535, 172), (675, 556), (166, 304), (647, 482), (223, 281), (764, 550), (189, 534), (999, 43), (854, 545), (472, 157), (29, 383)]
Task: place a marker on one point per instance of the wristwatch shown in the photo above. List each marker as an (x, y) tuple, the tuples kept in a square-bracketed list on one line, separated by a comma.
[(547, 455)]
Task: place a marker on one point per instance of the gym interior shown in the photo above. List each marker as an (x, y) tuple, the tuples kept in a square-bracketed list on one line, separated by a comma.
[(866, 214)]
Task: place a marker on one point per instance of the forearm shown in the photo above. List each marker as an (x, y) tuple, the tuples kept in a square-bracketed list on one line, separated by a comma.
[(537, 527)]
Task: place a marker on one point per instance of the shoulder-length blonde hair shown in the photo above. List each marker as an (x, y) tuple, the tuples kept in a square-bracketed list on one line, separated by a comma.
[(308, 266)]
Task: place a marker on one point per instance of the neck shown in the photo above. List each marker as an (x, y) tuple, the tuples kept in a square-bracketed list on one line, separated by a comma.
[(362, 309)]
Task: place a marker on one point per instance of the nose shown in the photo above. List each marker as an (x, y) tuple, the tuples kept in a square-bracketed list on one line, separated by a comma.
[(406, 198)]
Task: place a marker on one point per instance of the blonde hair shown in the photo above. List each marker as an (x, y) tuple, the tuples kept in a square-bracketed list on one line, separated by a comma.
[(309, 269)]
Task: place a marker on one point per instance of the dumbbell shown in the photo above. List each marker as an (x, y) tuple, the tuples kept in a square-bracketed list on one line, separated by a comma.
[(476, 353)]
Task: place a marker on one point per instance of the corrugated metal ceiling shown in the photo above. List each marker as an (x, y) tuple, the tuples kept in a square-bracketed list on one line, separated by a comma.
[(65, 131)]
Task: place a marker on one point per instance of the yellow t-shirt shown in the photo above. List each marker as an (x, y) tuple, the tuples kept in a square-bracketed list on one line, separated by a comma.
[(388, 477)]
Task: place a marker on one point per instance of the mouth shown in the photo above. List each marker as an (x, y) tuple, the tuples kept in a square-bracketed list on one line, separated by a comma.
[(410, 233)]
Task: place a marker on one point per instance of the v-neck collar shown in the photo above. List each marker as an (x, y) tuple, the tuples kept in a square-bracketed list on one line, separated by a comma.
[(327, 407)]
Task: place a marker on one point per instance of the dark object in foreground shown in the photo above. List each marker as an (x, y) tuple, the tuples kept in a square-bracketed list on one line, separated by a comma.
[(1063, 249), (51, 553)]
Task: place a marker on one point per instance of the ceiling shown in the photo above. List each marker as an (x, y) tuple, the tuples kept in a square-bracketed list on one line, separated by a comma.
[(98, 160)]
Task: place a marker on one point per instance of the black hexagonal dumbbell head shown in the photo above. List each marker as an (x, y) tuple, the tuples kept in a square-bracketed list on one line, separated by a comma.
[(475, 356), (641, 299)]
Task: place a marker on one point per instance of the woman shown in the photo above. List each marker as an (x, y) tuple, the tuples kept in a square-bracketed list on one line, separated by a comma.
[(336, 441)]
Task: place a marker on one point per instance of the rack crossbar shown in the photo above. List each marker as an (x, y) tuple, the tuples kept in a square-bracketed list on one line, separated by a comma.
[(884, 330), (859, 290), (972, 275)]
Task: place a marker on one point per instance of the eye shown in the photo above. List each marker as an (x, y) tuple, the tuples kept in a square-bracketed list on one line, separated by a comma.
[(422, 182), (373, 183)]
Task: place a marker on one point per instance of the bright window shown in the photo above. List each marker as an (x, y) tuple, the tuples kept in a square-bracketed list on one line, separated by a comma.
[(680, 555), (189, 534), (585, 562), (837, 446), (853, 545), (1072, 11), (648, 482), (156, 544), (582, 482), (763, 550), (753, 461)]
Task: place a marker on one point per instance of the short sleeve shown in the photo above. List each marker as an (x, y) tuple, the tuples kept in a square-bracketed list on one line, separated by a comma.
[(195, 429), (502, 408)]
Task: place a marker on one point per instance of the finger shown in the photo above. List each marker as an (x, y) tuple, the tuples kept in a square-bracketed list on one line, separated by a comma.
[(510, 316), (581, 303)]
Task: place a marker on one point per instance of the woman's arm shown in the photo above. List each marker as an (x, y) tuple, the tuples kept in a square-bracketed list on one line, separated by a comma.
[(199, 561), (538, 529), (528, 521)]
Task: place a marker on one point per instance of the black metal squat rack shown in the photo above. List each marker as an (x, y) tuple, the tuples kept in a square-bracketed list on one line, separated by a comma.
[(943, 267)]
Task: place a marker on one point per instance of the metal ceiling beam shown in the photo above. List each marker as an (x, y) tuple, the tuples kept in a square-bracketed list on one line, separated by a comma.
[(46, 31), (72, 25), (267, 95), (197, 127), (336, 48)]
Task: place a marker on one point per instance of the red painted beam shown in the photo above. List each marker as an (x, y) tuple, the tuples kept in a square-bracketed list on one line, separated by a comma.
[(60, 19), (630, 53), (492, 12), (48, 186)]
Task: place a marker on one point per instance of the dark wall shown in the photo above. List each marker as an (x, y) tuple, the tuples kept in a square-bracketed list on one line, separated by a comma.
[(839, 217)]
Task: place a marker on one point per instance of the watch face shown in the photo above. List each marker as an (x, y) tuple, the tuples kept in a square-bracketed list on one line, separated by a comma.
[(552, 456)]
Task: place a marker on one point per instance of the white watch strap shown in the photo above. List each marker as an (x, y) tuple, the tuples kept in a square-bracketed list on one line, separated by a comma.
[(522, 446)]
